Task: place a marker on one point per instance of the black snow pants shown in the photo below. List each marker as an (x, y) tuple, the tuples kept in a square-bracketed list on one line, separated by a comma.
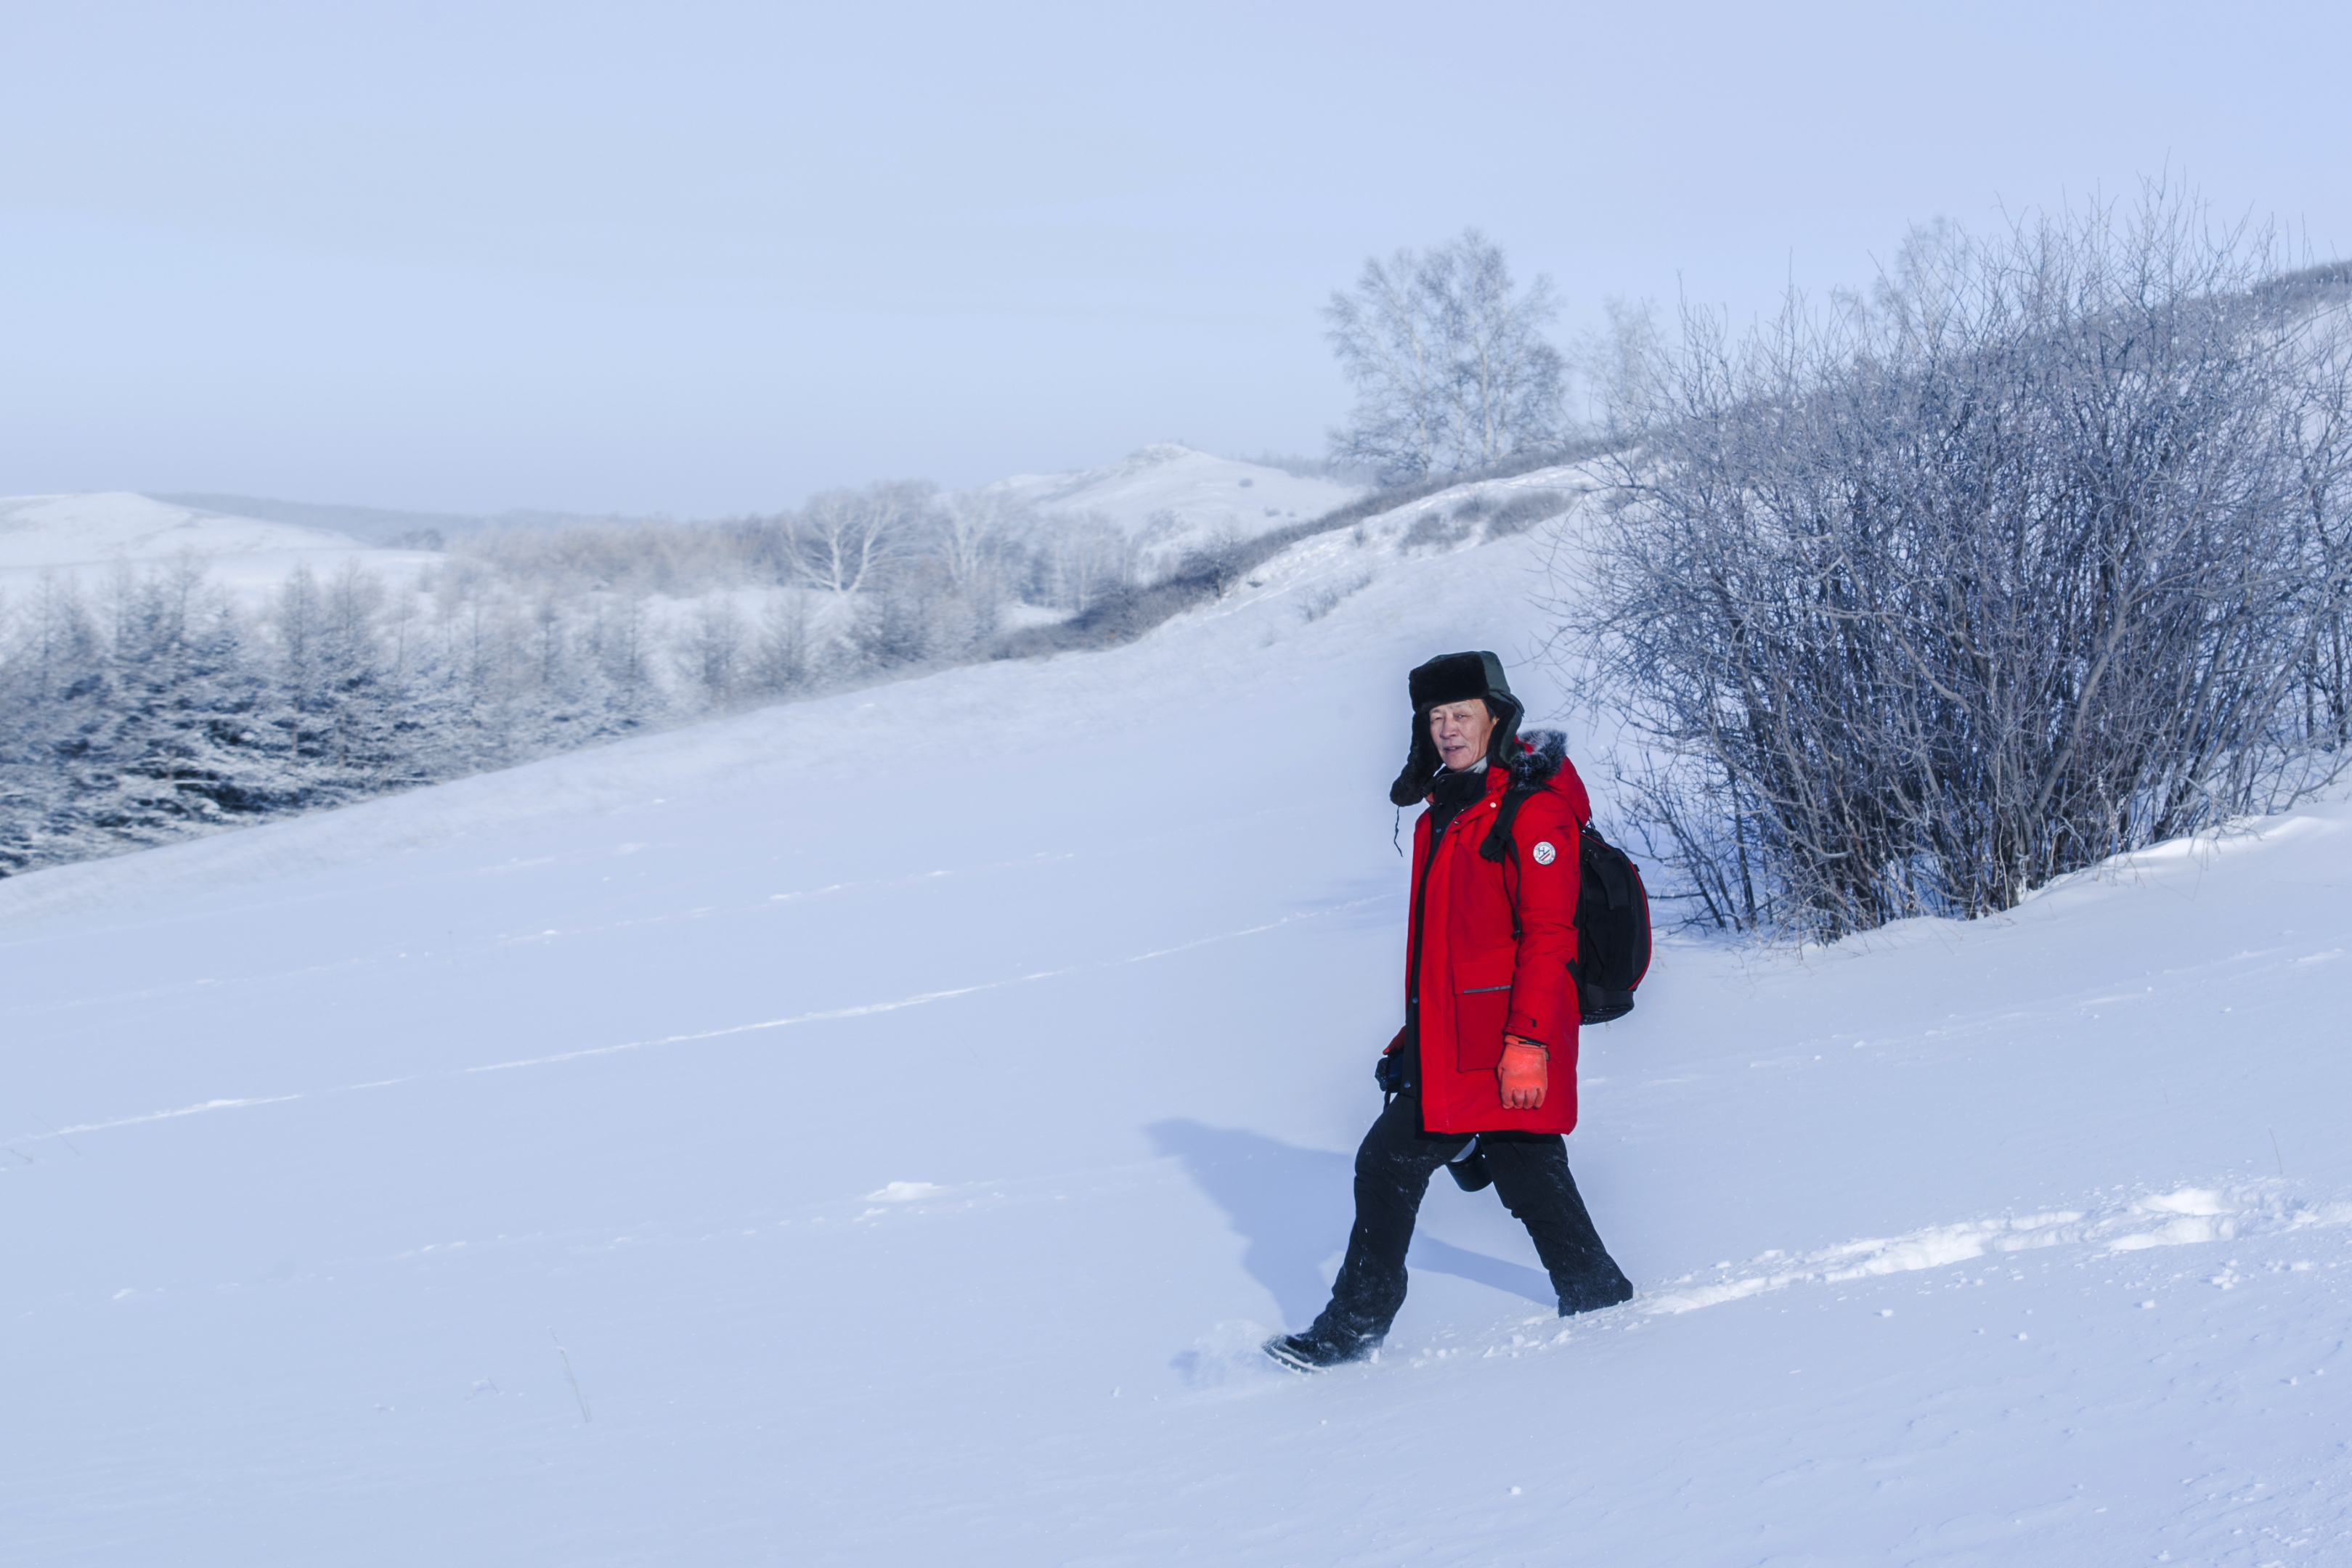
[(1393, 1171)]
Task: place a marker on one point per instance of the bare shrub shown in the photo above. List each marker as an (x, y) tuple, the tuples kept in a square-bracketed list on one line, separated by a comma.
[(2037, 556), (1524, 510), (1431, 531), (1218, 561), (1324, 597)]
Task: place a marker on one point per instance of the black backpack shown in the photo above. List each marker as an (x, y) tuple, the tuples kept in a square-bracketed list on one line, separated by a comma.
[(1613, 914)]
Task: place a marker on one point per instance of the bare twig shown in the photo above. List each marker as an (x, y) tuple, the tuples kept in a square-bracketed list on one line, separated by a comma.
[(584, 1416)]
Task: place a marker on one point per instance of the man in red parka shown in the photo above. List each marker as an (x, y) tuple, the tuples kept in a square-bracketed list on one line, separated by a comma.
[(1483, 1071)]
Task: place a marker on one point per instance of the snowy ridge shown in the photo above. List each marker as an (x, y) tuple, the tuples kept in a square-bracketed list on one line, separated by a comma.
[(1202, 492), (91, 534), (64, 530), (1171, 500)]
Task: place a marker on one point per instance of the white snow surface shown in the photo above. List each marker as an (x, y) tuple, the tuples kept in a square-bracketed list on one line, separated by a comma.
[(89, 536), (880, 1130), (1172, 498)]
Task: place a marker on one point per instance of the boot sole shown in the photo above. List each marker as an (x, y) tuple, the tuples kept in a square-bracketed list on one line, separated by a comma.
[(1281, 1356)]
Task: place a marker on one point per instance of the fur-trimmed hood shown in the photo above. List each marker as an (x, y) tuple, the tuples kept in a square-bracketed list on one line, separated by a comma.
[(1537, 761)]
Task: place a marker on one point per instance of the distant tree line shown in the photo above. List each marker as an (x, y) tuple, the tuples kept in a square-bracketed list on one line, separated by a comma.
[(2036, 554), (158, 705)]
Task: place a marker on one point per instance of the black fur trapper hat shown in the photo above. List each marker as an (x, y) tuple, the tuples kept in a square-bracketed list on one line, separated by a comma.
[(1453, 678)]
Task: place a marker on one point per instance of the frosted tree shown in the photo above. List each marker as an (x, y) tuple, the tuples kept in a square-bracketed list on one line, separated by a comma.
[(333, 701), (974, 534), (1448, 358), (843, 535), (712, 653), (783, 658), (621, 643), (1084, 559)]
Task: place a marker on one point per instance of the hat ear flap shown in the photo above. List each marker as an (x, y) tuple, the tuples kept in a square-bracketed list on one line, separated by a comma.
[(1507, 710), (1421, 765)]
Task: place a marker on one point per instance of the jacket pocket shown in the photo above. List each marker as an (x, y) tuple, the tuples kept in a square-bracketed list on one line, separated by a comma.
[(1482, 1007)]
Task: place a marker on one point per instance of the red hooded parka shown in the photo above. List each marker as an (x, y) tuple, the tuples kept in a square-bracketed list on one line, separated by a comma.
[(1494, 940)]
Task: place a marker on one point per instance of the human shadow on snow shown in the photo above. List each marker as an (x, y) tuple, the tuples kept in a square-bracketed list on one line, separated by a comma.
[(1293, 1207)]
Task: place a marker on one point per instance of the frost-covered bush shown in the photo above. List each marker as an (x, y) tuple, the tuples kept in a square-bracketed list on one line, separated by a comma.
[(1322, 599), (2037, 556), (1524, 511), (1432, 531)]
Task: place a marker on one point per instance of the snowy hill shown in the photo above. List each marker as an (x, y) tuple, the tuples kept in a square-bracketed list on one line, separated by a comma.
[(90, 534), (877, 1130), (1172, 499), (1168, 499)]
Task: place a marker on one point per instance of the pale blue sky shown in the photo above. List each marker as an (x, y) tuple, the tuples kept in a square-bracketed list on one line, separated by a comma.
[(706, 257)]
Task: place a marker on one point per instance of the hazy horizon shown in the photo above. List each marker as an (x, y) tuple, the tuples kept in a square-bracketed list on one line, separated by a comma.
[(706, 260)]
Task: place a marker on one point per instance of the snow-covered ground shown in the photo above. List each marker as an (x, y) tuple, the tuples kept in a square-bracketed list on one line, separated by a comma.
[(879, 1129), (89, 535), (1170, 498)]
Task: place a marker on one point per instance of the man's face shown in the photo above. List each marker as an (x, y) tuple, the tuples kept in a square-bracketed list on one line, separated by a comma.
[(1461, 731)]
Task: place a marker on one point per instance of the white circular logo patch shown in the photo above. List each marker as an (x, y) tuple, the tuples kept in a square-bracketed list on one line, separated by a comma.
[(1543, 853)]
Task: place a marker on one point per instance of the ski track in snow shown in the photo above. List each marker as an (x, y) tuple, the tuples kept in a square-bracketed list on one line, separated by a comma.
[(2184, 1217), (1228, 1360), (828, 1015)]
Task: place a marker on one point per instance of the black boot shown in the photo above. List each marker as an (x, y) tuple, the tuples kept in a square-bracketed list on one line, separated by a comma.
[(1319, 1350), (1531, 1173), (1595, 1291)]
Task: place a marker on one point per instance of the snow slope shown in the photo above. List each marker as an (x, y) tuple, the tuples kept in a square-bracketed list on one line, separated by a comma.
[(88, 536), (877, 1130), (1172, 498)]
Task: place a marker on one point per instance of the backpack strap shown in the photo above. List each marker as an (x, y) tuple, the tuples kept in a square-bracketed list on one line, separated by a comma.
[(1497, 846)]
